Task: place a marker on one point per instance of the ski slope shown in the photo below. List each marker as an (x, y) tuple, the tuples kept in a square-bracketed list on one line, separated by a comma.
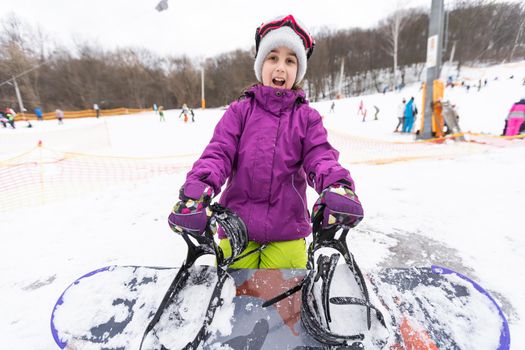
[(464, 211)]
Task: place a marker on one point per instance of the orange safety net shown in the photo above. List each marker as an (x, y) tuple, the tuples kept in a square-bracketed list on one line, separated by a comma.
[(86, 113), (362, 150), (43, 175)]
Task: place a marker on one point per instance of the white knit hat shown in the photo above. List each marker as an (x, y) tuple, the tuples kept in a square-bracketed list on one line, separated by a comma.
[(282, 36)]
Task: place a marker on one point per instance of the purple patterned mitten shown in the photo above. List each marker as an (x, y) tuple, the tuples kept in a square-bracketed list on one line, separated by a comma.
[(340, 206), (189, 214)]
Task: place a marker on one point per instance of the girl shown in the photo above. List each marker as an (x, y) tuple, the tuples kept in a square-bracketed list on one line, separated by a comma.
[(268, 146)]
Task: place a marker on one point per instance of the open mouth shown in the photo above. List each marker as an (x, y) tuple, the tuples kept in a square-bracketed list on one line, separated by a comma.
[(278, 82)]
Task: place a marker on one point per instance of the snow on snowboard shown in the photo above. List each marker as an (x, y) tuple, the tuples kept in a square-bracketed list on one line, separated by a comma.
[(213, 307), (426, 308)]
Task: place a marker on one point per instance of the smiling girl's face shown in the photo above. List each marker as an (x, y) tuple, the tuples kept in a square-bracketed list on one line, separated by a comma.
[(279, 69)]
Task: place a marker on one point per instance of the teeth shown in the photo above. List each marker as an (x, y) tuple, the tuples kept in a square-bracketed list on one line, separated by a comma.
[(279, 81)]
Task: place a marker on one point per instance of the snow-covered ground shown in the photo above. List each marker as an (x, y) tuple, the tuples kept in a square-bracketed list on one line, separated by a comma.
[(463, 212)]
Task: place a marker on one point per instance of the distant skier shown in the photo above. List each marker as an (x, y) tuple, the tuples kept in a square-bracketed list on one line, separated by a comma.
[(10, 116), (450, 81), (376, 112), (161, 114), (38, 113), (400, 115), (332, 107), (96, 108), (155, 108), (185, 112), (361, 109), (409, 116), (59, 114), (4, 120), (268, 146), (28, 125)]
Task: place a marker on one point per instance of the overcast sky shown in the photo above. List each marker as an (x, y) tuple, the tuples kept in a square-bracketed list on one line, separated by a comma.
[(196, 28)]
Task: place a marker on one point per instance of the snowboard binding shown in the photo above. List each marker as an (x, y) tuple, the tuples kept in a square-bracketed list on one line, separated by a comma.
[(198, 246), (315, 310)]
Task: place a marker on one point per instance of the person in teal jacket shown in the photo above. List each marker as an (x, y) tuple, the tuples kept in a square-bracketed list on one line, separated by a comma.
[(267, 147), (408, 122)]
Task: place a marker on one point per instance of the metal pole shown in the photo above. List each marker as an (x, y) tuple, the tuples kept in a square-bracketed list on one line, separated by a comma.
[(434, 54), (19, 97), (452, 52), (341, 77), (203, 99)]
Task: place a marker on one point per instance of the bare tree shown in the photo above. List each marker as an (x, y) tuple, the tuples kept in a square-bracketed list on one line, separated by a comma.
[(519, 33), (75, 78), (393, 26)]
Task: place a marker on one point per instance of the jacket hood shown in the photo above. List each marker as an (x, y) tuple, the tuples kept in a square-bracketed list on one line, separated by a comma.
[(276, 100)]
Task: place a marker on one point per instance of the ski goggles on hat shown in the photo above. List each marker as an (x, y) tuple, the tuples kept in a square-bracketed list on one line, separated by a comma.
[(290, 21)]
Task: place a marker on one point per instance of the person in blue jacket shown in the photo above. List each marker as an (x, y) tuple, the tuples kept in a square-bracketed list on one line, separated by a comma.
[(39, 114), (409, 116)]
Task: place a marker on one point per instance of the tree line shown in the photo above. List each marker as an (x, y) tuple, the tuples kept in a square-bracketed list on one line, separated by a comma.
[(374, 59)]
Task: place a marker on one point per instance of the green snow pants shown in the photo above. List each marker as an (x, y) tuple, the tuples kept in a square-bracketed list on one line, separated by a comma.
[(276, 255)]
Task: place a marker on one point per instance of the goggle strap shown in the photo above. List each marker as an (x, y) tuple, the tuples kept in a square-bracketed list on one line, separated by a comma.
[(307, 40)]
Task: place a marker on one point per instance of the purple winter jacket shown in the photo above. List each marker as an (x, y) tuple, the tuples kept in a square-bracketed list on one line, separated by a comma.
[(268, 146)]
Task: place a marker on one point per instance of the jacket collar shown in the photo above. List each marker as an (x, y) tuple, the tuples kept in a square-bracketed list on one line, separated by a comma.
[(275, 100)]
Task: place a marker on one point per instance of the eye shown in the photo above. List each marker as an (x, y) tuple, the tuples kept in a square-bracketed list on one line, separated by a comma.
[(272, 58), (291, 60)]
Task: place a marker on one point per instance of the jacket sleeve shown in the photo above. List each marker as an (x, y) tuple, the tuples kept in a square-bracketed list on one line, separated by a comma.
[(215, 164), (320, 159)]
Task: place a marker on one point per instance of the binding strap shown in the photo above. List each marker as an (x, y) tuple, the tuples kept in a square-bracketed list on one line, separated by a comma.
[(316, 317), (236, 232)]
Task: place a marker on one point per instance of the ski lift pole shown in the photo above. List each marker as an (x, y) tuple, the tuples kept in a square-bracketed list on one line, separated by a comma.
[(19, 97), (434, 55), (17, 90), (340, 92), (203, 99)]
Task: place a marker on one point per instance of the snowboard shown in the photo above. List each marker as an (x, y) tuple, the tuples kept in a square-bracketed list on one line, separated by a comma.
[(451, 119), (424, 308)]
